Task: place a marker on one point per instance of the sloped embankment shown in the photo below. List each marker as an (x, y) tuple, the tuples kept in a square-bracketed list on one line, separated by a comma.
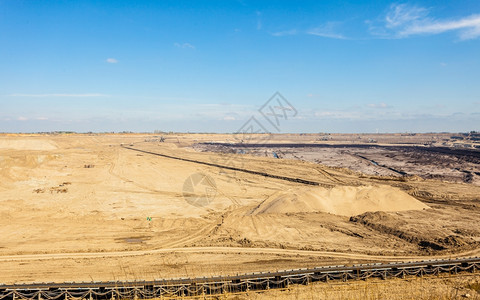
[(426, 238)]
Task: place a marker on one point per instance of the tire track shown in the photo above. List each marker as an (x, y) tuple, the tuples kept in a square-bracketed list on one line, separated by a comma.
[(235, 250), (290, 179)]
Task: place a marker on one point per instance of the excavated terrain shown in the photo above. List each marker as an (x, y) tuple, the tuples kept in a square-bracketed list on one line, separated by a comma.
[(109, 207)]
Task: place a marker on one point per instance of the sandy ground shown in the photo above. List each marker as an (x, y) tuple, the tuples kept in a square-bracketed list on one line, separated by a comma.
[(82, 207), (431, 288), (428, 162)]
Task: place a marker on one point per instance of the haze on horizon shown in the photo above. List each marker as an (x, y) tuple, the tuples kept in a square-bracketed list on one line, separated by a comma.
[(361, 66)]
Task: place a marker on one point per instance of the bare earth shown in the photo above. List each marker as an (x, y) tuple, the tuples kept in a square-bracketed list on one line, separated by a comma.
[(82, 207), (431, 288)]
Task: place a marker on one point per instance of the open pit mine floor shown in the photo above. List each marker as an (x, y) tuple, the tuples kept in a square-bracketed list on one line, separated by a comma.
[(130, 207)]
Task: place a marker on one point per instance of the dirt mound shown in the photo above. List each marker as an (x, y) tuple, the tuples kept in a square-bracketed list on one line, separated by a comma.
[(340, 200), (427, 239), (27, 144)]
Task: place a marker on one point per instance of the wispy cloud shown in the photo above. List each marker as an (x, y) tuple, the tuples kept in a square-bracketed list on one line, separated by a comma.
[(401, 14), (390, 114), (337, 114), (378, 105), (354, 113), (58, 95), (259, 20), (404, 20), (111, 60), (468, 28), (233, 116), (284, 33), (328, 30), (184, 45)]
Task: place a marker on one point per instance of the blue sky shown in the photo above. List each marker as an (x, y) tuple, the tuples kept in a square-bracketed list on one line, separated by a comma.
[(360, 66)]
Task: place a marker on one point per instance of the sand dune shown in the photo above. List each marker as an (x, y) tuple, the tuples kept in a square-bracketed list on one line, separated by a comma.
[(340, 200)]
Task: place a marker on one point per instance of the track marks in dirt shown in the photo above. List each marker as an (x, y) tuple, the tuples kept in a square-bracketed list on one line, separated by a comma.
[(239, 250), (264, 174), (330, 177)]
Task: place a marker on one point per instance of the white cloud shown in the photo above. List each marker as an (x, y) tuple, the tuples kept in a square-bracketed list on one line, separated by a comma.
[(184, 45), (259, 20), (403, 20), (378, 115), (339, 114), (378, 105), (468, 27), (401, 14), (22, 119), (58, 95), (111, 61), (41, 118), (286, 32), (328, 30)]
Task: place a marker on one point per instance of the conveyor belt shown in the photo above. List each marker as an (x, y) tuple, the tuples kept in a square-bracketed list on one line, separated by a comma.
[(238, 283)]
